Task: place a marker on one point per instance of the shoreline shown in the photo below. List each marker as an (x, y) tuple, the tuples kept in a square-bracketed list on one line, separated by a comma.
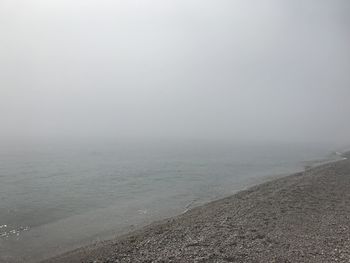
[(296, 218)]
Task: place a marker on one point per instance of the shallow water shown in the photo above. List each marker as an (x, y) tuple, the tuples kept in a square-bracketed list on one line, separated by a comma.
[(55, 197)]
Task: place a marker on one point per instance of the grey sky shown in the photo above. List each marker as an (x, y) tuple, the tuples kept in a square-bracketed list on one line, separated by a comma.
[(255, 70)]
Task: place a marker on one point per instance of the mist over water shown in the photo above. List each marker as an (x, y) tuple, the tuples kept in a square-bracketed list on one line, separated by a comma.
[(116, 113)]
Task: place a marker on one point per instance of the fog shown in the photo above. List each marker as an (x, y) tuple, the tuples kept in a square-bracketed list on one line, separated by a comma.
[(224, 69)]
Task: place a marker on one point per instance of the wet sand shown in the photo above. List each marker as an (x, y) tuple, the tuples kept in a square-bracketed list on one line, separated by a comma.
[(304, 217)]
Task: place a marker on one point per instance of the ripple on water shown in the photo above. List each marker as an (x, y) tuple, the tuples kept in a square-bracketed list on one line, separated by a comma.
[(6, 232)]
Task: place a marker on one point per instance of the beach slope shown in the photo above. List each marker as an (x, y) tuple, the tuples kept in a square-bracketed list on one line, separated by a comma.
[(303, 217)]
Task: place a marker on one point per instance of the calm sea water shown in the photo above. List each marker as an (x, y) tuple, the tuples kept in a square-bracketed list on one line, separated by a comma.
[(55, 197)]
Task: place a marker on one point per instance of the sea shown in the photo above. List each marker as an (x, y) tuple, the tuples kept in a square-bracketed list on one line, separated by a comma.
[(58, 196)]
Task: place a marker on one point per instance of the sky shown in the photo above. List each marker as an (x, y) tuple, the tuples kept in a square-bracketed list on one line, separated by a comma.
[(255, 70)]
